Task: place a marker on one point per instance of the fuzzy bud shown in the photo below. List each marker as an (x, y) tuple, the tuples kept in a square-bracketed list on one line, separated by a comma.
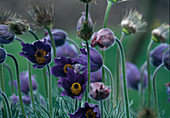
[(3, 55), (166, 59)]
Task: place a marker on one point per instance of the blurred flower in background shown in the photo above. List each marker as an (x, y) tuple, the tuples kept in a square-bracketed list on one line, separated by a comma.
[(166, 59), (3, 55)]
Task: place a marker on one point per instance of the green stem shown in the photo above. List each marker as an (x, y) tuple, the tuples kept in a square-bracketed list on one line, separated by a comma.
[(7, 103), (154, 88), (18, 83), (45, 81), (50, 87), (30, 85), (11, 76), (88, 66), (52, 42), (19, 39), (126, 99), (75, 104), (33, 33), (111, 81), (148, 67), (87, 11), (74, 43), (101, 109), (1, 77)]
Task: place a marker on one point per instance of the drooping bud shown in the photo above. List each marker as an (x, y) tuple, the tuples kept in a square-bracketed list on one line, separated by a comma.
[(3, 55), (166, 59), (85, 27), (132, 22), (85, 1), (146, 113), (104, 38), (161, 34)]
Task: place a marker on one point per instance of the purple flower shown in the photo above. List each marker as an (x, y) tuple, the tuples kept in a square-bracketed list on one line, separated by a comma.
[(74, 85), (88, 111), (157, 54), (6, 36), (98, 91), (104, 38), (67, 50), (24, 78), (26, 99), (133, 76), (38, 53), (168, 90), (96, 76), (96, 60), (14, 98), (58, 35), (166, 59), (60, 70), (3, 55)]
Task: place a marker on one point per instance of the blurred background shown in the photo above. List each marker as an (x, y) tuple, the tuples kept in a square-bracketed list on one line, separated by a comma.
[(67, 13)]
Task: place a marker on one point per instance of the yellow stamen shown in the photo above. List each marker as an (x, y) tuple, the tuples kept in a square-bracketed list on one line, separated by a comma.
[(40, 56), (76, 88), (90, 114), (67, 65)]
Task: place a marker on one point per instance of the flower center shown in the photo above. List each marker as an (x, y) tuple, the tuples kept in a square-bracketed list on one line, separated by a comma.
[(40, 56), (69, 66), (76, 88), (90, 114)]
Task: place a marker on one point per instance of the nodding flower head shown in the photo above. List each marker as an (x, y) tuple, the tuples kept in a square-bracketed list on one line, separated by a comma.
[(104, 38), (86, 1), (156, 54), (88, 111), (146, 113), (132, 22), (98, 91), (6, 36), (19, 26), (85, 27), (59, 37), (42, 14), (168, 90), (38, 53), (3, 55), (166, 59), (161, 34)]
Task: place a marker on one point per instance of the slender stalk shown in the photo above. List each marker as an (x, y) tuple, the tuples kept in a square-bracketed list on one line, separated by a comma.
[(11, 76), (88, 66), (19, 39), (111, 81), (75, 104), (154, 88), (74, 43), (33, 33), (18, 83), (87, 11), (52, 42), (126, 99), (30, 85), (148, 67), (1, 77), (101, 109), (7, 103), (45, 81), (50, 87)]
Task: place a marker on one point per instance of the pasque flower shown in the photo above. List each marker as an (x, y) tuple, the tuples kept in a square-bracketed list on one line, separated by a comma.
[(104, 38), (156, 54), (98, 91), (96, 76), (96, 60), (88, 111), (6, 36), (26, 99), (24, 78), (74, 84), (59, 37), (3, 55), (63, 64), (166, 59), (38, 53)]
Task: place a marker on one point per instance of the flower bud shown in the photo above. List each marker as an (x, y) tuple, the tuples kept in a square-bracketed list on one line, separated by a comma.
[(98, 91), (104, 38), (132, 22), (161, 34), (6, 36), (3, 55), (157, 54), (85, 1), (96, 76), (19, 26), (166, 59), (146, 113), (85, 27)]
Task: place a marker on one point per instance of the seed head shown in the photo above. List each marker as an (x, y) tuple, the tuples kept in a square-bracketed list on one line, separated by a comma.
[(6, 16)]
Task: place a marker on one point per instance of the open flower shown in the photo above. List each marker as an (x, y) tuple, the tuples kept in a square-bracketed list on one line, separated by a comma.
[(74, 85), (88, 111), (63, 64), (24, 78), (132, 22), (166, 59), (96, 60), (156, 54), (59, 37), (6, 36), (3, 55), (104, 38), (98, 91), (38, 53)]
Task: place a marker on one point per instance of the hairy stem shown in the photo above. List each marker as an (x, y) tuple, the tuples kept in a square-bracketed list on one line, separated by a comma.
[(45, 81), (50, 87)]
